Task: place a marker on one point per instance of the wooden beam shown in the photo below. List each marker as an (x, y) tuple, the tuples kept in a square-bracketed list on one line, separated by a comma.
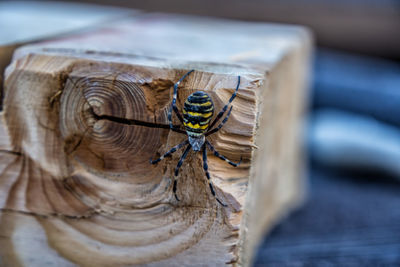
[(33, 21), (369, 28), (81, 113)]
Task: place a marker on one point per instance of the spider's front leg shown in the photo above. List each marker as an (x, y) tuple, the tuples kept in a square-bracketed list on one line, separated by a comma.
[(178, 166), (174, 149), (222, 157), (205, 167)]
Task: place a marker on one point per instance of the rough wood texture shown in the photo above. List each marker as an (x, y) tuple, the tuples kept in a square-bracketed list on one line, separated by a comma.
[(78, 186)]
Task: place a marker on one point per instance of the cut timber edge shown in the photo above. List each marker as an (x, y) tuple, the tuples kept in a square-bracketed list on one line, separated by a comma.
[(78, 185)]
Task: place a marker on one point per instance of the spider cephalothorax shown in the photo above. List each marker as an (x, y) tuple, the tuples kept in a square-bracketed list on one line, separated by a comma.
[(197, 114)]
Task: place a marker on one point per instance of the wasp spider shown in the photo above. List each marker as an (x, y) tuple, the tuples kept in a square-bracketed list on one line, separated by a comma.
[(197, 113)]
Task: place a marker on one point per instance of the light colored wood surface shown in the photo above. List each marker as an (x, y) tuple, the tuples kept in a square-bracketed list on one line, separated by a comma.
[(31, 21), (362, 27), (24, 22), (79, 185)]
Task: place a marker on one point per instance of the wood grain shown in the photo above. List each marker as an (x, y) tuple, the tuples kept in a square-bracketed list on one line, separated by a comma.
[(81, 129), (25, 22)]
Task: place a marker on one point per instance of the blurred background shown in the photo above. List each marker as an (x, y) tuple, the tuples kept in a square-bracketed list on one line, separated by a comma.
[(352, 216)]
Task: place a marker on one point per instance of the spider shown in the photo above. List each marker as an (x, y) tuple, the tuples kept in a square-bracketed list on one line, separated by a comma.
[(197, 113)]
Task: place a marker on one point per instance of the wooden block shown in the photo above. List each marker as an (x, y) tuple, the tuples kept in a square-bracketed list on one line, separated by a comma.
[(368, 29), (85, 114), (32, 21)]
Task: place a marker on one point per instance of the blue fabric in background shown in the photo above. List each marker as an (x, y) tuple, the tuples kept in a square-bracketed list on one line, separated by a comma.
[(363, 85), (355, 120), (352, 216), (353, 141)]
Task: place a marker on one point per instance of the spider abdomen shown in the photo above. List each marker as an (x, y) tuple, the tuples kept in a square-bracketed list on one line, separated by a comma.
[(197, 113)]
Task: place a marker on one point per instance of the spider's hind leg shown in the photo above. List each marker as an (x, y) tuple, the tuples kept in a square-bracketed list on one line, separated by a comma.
[(224, 109), (205, 167), (173, 105), (216, 129)]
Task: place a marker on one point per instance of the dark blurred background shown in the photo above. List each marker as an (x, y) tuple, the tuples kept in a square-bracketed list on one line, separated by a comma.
[(362, 26), (352, 216)]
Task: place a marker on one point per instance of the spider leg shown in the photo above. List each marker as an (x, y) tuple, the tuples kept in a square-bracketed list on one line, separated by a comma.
[(221, 113), (222, 157), (205, 167), (216, 129), (178, 167), (175, 148), (171, 126), (173, 105), (174, 128)]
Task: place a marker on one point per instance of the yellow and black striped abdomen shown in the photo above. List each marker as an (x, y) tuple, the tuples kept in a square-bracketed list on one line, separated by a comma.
[(197, 113)]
